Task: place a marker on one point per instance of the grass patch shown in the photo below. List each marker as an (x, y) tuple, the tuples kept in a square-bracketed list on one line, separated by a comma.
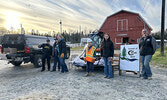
[(77, 48), (158, 59)]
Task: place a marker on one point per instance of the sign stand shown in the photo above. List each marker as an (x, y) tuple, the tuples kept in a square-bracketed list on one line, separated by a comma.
[(130, 59)]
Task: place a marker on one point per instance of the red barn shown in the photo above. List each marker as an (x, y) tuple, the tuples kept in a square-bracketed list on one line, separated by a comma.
[(124, 27)]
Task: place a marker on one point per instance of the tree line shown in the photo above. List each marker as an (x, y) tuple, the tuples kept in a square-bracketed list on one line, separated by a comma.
[(74, 37), (157, 35)]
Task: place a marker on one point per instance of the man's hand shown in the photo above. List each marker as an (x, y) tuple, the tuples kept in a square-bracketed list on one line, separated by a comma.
[(62, 55), (39, 45), (85, 59), (93, 60), (110, 58)]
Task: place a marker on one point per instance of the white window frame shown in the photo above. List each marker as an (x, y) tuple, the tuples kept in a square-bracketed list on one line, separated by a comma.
[(122, 25), (118, 42)]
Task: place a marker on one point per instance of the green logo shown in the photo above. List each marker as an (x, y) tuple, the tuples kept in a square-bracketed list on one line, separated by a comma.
[(123, 56)]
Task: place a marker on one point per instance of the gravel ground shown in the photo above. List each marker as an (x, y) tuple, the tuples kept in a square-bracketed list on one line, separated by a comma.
[(28, 83)]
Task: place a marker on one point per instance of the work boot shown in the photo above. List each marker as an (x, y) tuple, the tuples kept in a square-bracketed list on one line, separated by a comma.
[(106, 77), (87, 74), (42, 70), (149, 78), (93, 74)]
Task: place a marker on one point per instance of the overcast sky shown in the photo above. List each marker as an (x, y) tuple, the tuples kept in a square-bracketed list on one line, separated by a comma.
[(44, 15)]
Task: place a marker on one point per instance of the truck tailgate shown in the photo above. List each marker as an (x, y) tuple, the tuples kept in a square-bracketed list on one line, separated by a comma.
[(3, 57)]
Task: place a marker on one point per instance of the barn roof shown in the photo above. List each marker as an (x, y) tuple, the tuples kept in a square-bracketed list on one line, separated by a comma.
[(131, 13)]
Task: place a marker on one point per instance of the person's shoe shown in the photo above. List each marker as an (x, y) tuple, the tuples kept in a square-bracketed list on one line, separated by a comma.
[(142, 78), (62, 72), (59, 70), (93, 74), (106, 77), (42, 70), (149, 78), (52, 70), (67, 72), (87, 74)]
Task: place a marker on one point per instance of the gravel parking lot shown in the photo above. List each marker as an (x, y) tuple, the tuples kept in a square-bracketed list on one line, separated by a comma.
[(28, 83)]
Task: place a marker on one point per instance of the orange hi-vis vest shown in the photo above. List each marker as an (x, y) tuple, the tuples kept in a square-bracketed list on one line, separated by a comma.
[(90, 53)]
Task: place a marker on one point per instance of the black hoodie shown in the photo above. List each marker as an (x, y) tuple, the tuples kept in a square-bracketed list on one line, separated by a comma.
[(107, 48), (146, 46)]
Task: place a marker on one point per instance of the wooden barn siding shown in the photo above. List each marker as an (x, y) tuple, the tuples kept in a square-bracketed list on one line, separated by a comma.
[(135, 26)]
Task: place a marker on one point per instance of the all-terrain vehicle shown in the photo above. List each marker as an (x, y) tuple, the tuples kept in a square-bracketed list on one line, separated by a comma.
[(96, 37)]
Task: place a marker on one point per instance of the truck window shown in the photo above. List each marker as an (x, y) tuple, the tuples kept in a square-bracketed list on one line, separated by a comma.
[(35, 41), (13, 39)]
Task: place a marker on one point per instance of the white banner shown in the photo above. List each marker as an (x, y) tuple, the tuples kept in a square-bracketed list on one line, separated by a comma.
[(130, 57)]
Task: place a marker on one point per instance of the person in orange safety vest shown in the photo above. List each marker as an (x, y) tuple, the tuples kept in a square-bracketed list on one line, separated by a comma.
[(89, 57)]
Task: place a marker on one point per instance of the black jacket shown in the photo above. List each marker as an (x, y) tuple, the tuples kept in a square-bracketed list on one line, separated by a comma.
[(46, 49), (107, 48), (55, 49), (62, 47), (146, 46)]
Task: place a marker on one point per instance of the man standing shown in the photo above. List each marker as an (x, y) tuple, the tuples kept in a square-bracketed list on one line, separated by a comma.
[(55, 55), (90, 54), (62, 53), (46, 54), (147, 47)]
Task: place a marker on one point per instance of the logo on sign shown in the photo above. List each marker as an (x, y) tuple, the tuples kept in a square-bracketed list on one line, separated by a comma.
[(131, 53)]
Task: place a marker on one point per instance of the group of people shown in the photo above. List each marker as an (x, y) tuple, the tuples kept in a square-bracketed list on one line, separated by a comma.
[(58, 51), (107, 52), (147, 46)]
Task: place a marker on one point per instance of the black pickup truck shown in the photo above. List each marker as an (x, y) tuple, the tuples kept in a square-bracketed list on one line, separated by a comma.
[(21, 48)]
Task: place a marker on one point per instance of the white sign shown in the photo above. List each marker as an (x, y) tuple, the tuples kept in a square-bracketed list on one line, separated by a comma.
[(130, 57)]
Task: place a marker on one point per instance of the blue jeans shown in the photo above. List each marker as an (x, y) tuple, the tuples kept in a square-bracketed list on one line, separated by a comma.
[(89, 66), (63, 65), (146, 71), (108, 68), (56, 60)]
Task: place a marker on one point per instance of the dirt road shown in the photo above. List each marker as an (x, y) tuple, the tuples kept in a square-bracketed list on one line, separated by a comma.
[(28, 83)]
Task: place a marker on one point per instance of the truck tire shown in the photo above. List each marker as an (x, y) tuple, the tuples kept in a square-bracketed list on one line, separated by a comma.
[(17, 63), (38, 61)]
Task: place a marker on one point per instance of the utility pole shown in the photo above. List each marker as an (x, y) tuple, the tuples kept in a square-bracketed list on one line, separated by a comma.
[(80, 29), (162, 27), (60, 27), (21, 28)]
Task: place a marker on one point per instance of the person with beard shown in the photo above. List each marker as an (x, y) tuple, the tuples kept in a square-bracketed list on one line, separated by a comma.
[(147, 46)]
